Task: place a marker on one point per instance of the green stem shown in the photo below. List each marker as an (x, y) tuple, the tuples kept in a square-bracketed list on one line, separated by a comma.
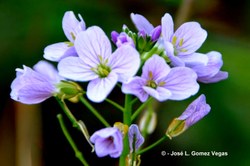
[(68, 113), (70, 140), (127, 121), (94, 111), (162, 139), (138, 111), (115, 104)]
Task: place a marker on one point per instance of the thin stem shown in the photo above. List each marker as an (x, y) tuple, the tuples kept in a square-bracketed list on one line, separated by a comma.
[(115, 104), (71, 142), (68, 113), (162, 139), (133, 101), (138, 111), (127, 121), (94, 111)]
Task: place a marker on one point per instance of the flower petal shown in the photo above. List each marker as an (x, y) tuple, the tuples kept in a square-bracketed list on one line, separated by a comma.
[(50, 72), (221, 75), (213, 66), (93, 45), (155, 68), (161, 94), (30, 87), (181, 81), (141, 23), (134, 86), (34, 93), (175, 60), (195, 111), (167, 26), (125, 61), (99, 88), (56, 52), (195, 58), (74, 68), (189, 37), (71, 26)]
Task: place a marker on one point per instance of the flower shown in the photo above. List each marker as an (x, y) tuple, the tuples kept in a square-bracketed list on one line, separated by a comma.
[(181, 45), (108, 141), (34, 86), (71, 27), (210, 73), (145, 27), (161, 82), (98, 65), (193, 113), (135, 137), (121, 39)]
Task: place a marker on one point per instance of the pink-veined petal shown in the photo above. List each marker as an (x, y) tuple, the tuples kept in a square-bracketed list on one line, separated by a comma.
[(93, 45), (34, 93), (175, 60), (56, 52), (134, 87), (47, 70), (99, 88), (221, 75), (181, 81), (189, 37), (160, 93), (155, 68), (213, 66), (75, 69), (167, 26), (195, 58), (72, 26), (141, 23), (125, 61)]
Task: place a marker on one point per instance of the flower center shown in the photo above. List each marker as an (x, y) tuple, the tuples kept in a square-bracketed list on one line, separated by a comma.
[(151, 82), (102, 69), (177, 46)]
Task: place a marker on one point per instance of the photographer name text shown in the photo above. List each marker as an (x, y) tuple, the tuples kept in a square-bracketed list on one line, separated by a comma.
[(195, 153)]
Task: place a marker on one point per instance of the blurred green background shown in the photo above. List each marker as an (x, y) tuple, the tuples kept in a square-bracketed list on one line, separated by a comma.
[(28, 26)]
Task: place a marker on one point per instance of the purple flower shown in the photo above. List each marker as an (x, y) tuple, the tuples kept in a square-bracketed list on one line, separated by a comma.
[(181, 45), (135, 137), (71, 27), (34, 86), (97, 64), (210, 72), (121, 39), (145, 27), (161, 82), (108, 141), (193, 113)]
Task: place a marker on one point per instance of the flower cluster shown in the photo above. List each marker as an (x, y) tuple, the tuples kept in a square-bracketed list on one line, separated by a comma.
[(155, 63)]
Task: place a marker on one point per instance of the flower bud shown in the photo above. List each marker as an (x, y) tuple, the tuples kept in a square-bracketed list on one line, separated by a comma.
[(69, 90), (194, 112)]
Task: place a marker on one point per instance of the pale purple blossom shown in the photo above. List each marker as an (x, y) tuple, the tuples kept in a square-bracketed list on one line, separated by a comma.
[(162, 82), (34, 86), (71, 27), (108, 141), (97, 64), (135, 137), (181, 45), (195, 111), (145, 28), (121, 39), (210, 73)]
